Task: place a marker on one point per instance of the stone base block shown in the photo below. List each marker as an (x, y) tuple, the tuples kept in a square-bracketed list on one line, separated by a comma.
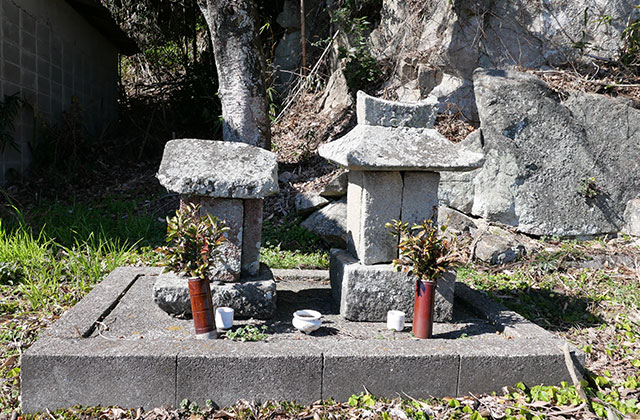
[(367, 292), (253, 297)]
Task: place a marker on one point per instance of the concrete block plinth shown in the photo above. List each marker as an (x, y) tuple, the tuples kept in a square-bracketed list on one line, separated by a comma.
[(367, 292)]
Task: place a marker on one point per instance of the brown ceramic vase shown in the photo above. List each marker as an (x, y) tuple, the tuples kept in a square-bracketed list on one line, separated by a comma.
[(202, 308), (423, 309)]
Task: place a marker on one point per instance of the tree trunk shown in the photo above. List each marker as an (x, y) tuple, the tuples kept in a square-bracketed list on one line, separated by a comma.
[(236, 47)]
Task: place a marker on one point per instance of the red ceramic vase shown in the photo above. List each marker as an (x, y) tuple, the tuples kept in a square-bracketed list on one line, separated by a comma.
[(202, 308), (423, 309)]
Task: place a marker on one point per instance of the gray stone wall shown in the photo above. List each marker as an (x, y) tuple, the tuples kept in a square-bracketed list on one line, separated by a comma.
[(49, 54)]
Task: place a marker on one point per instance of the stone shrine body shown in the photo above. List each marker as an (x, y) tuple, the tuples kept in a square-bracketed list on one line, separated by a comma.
[(394, 156), (228, 180)]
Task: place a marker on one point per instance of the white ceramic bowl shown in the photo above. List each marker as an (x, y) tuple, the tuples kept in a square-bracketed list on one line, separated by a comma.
[(307, 320)]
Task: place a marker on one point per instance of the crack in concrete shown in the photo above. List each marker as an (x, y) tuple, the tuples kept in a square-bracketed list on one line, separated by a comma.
[(110, 308)]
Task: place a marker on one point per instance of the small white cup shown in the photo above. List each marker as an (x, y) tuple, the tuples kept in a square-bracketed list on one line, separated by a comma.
[(224, 318), (395, 320)]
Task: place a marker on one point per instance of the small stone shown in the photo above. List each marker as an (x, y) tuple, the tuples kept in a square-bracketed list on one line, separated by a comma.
[(337, 187), (218, 169), (458, 221), (498, 246), (285, 177), (307, 203), (632, 217), (380, 112), (330, 223)]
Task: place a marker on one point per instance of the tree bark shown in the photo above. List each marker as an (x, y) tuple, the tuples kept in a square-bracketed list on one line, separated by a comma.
[(239, 63)]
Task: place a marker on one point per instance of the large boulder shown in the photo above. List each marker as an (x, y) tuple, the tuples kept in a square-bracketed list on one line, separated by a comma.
[(552, 167)]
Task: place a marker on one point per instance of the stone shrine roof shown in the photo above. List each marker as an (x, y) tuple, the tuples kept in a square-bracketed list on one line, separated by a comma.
[(218, 169), (378, 148)]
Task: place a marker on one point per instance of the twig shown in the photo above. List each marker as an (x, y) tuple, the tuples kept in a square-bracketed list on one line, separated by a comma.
[(302, 82), (574, 378)]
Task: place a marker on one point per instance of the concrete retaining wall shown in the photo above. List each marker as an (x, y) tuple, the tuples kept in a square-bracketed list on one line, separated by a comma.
[(50, 54)]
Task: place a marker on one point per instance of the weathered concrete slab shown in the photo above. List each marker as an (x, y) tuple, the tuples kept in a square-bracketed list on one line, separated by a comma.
[(367, 292), (140, 356), (82, 319), (494, 363), (57, 373), (218, 169), (416, 368), (222, 371)]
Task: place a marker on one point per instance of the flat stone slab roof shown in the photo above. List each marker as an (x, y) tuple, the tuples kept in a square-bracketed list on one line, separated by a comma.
[(378, 148), (116, 347), (218, 169)]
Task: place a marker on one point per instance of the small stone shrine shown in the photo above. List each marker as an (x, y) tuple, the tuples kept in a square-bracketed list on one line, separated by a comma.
[(394, 156), (228, 180)]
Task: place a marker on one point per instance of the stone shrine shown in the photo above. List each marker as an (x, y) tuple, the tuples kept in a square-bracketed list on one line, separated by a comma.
[(228, 180), (394, 156)]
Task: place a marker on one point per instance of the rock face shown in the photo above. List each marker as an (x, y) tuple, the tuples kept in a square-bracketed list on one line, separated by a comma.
[(218, 169), (554, 168), (455, 37), (456, 188)]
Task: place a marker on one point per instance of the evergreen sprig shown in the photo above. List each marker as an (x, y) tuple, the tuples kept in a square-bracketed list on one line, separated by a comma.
[(193, 242)]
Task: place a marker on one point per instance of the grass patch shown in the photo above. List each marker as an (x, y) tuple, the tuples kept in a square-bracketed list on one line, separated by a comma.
[(110, 219), (41, 277), (286, 244)]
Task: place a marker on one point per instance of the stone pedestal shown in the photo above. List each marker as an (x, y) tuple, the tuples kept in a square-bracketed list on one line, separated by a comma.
[(394, 157), (227, 180), (252, 297), (367, 292)]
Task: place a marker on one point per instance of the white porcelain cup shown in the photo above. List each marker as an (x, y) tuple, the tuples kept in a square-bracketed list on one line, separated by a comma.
[(224, 318), (395, 320)]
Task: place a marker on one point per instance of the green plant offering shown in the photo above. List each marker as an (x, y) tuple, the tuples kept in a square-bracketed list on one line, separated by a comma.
[(248, 333), (194, 241), (424, 250)]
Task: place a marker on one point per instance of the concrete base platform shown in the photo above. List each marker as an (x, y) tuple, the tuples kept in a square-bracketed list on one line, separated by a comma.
[(368, 292), (116, 347)]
